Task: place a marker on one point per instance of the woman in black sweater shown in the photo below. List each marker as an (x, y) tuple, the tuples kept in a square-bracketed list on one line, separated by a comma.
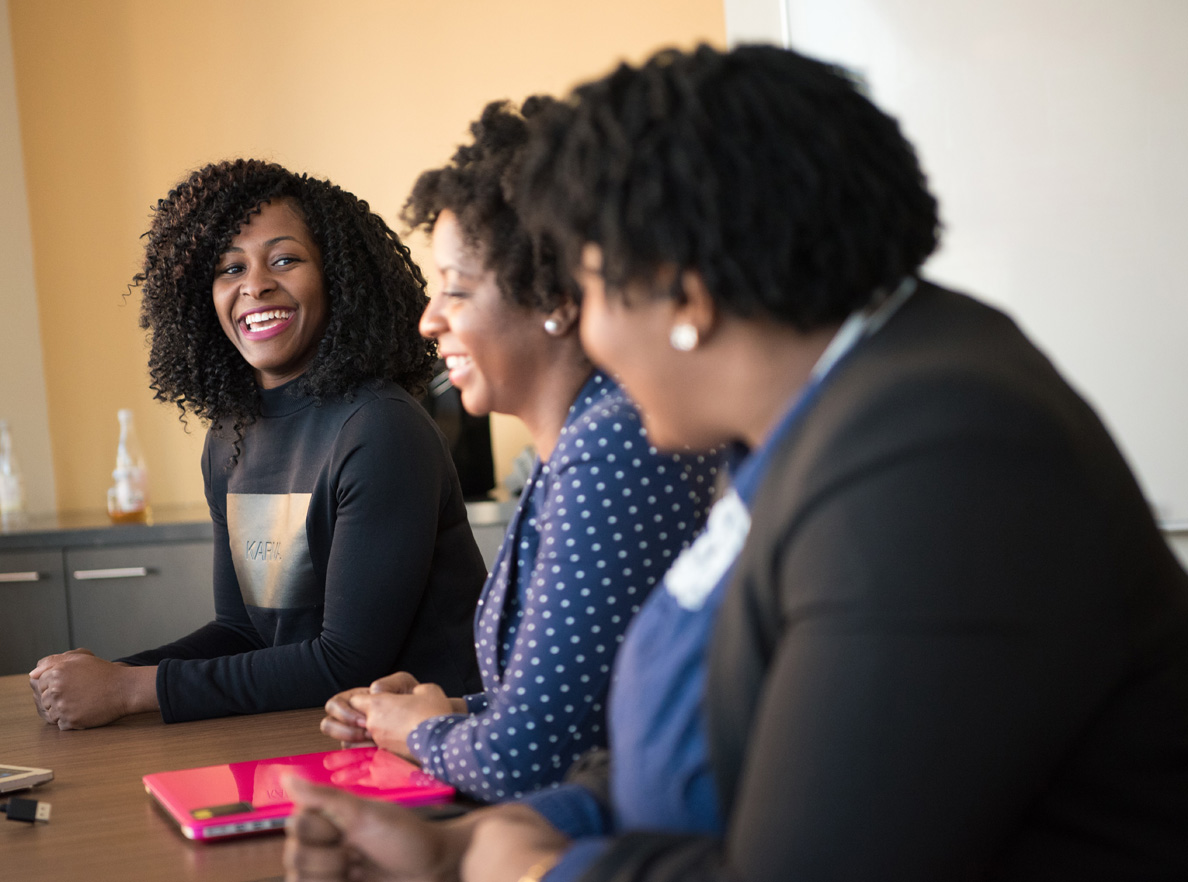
[(283, 312)]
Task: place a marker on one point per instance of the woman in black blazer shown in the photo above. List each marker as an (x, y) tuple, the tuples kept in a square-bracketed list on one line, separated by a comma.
[(936, 634)]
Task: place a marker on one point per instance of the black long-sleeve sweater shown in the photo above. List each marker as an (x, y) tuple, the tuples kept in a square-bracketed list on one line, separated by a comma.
[(342, 553)]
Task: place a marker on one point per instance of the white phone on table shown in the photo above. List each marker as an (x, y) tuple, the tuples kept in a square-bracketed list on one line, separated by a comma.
[(22, 777)]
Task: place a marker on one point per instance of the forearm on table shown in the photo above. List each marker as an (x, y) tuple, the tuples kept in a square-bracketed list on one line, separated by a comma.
[(140, 688), (212, 640), (285, 677)]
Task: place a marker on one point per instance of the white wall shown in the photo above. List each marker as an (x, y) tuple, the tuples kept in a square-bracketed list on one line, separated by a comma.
[(1054, 133), (22, 376), (757, 21), (1179, 544)]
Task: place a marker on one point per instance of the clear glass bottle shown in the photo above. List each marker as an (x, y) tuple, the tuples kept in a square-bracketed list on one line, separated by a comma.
[(128, 497), (12, 488)]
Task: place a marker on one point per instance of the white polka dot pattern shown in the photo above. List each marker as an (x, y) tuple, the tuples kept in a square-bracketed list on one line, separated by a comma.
[(596, 528)]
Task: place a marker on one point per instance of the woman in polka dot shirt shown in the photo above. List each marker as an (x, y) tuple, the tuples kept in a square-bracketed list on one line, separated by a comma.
[(600, 520)]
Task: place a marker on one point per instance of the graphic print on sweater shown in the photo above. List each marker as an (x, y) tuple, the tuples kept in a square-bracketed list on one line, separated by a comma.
[(270, 549)]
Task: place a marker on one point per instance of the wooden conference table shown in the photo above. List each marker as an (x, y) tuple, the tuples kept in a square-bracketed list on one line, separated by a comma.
[(103, 825)]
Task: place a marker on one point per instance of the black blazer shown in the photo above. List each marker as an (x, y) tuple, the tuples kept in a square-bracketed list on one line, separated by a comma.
[(957, 644)]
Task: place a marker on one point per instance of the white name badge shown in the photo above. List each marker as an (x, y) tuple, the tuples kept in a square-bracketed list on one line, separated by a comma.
[(703, 564)]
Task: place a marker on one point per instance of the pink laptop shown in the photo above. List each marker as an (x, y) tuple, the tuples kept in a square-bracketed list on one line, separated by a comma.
[(214, 802)]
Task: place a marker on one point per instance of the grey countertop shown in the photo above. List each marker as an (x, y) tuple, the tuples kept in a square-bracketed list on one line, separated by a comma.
[(93, 528), (169, 524)]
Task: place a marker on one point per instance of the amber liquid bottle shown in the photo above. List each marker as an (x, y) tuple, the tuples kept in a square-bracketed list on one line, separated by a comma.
[(128, 497)]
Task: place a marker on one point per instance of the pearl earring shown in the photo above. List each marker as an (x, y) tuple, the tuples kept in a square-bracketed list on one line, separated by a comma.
[(552, 326), (683, 338)]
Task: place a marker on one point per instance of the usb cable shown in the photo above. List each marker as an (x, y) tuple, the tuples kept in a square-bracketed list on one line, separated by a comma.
[(28, 810)]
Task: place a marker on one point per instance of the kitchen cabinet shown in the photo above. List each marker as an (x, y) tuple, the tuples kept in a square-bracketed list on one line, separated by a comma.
[(33, 615), (77, 581), (128, 598)]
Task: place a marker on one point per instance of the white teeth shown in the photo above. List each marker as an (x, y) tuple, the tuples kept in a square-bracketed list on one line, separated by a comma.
[(267, 315), (453, 361)]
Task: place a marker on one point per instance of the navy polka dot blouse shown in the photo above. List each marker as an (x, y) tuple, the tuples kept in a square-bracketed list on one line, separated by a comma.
[(597, 526)]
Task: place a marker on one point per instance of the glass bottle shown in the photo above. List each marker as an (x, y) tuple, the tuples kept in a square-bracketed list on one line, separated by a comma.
[(12, 488), (128, 497)]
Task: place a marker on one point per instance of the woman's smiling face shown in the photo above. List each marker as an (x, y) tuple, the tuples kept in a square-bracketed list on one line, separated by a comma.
[(270, 294), (492, 346)]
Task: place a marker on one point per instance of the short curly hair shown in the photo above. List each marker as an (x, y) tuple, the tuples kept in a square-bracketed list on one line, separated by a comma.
[(375, 293), (477, 186), (768, 172)]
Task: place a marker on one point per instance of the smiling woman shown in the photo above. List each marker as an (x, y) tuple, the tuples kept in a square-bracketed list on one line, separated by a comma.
[(269, 294), (601, 517), (283, 312)]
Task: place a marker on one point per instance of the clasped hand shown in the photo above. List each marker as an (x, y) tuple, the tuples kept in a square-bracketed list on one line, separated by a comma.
[(386, 712), (78, 690), (334, 835)]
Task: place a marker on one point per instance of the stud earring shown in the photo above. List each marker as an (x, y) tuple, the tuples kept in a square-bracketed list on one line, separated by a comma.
[(683, 337), (552, 326)]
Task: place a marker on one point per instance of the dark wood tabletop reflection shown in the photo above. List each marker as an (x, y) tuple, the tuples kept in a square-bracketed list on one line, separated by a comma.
[(103, 825)]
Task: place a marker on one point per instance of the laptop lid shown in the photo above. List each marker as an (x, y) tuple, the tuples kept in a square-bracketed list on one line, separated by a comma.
[(213, 802)]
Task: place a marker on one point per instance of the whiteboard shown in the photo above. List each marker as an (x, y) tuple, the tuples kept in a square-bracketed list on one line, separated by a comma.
[(1055, 134)]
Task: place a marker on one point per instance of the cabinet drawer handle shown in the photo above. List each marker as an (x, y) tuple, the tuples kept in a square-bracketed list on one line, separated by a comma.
[(20, 577), (114, 573)]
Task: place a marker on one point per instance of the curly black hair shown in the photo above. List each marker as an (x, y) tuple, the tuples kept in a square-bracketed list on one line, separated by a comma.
[(375, 294), (768, 172), (478, 187)]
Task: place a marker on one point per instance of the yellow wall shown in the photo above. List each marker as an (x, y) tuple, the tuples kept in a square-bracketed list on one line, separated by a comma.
[(22, 380), (118, 98)]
